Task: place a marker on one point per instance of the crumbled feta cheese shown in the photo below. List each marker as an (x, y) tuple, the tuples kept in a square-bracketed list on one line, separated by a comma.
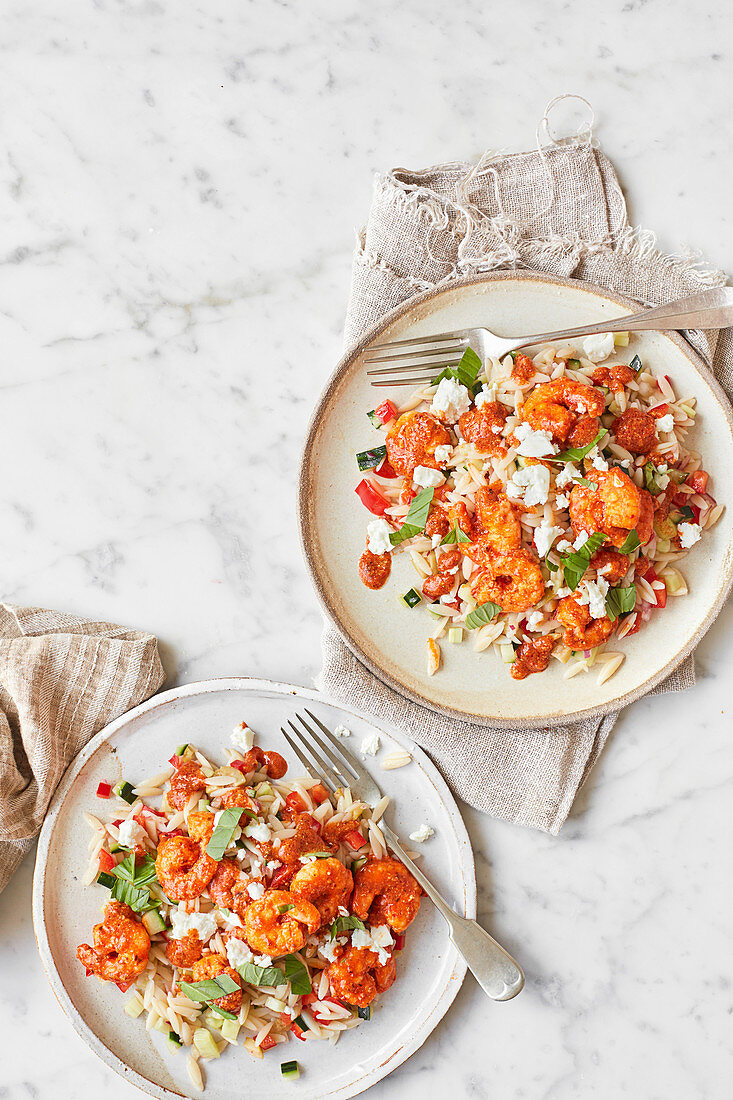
[(451, 400), (436, 540), (242, 737), (567, 474), (665, 423), (203, 923), (375, 939), (593, 593), (227, 920), (581, 540), (598, 346), (485, 394), (260, 831), (544, 536), (533, 444), (238, 953), (443, 453), (598, 462), (370, 745), (262, 960), (341, 731), (535, 620), (426, 478), (562, 592), (421, 834), (273, 865), (255, 890), (328, 950), (378, 532), (562, 501), (532, 485), (662, 480), (131, 834), (343, 911), (563, 546), (689, 533)]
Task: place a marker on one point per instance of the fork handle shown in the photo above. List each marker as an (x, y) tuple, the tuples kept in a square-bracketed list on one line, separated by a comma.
[(494, 969), (709, 309)]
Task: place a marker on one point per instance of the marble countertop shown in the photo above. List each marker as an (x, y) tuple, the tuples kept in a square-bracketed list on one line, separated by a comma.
[(181, 185)]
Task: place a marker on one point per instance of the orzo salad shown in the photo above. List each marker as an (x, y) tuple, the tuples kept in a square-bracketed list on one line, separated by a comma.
[(545, 503), (244, 909)]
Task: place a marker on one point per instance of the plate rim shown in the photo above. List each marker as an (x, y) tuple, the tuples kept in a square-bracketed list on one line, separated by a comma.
[(305, 534), (199, 687)]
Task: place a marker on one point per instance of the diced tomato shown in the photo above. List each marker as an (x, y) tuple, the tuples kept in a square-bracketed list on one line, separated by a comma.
[(104, 790), (149, 811), (659, 410), (661, 594), (117, 823), (698, 481), (399, 942), (319, 793), (175, 761), (297, 1032), (295, 803), (106, 861), (176, 832), (695, 512), (385, 470), (268, 1043), (88, 972), (281, 877), (308, 999), (668, 379), (123, 986), (386, 411), (371, 497), (355, 840), (286, 1018), (238, 765)]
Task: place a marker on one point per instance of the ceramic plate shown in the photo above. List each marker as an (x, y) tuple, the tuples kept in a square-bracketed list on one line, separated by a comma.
[(391, 639), (138, 744)]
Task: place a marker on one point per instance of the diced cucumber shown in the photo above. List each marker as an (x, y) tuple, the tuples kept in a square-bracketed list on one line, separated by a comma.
[(106, 880), (374, 419), (124, 791), (174, 1040), (204, 804), (162, 1025), (411, 598), (678, 476), (114, 847), (455, 634), (573, 364), (663, 546), (674, 582), (290, 1070), (181, 749), (620, 339), (263, 789), (230, 1029), (134, 1007), (521, 462), (358, 863), (635, 364), (364, 1013), (204, 1042), (664, 528), (508, 655), (369, 460), (153, 922)]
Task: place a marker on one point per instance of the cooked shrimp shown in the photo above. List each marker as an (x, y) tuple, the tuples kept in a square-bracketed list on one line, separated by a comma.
[(532, 656), (121, 946), (200, 826), (185, 781), (613, 509), (440, 583), (582, 632), (497, 520), (307, 839), (236, 797), (615, 378), (183, 868), (327, 884), (228, 889), (645, 522), (612, 565), (411, 442), (214, 966), (185, 952), (523, 369), (386, 893), (259, 760), (357, 976), (279, 923), (635, 430), (482, 425), (512, 579), (567, 409)]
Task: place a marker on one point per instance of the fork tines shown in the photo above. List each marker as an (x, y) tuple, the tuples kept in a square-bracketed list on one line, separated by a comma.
[(443, 350), (336, 770)]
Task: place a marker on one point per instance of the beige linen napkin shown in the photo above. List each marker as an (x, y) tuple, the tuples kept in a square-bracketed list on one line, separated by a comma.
[(62, 679), (558, 209)]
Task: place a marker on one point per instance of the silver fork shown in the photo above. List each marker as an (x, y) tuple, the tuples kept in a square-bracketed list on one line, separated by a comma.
[(420, 356), (493, 968)]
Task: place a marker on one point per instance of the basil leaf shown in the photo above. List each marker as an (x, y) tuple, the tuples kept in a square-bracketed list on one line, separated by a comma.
[(297, 974), (466, 372), (343, 924), (454, 535), (211, 989), (416, 518), (285, 908), (551, 565), (576, 562), (224, 831), (635, 364), (619, 601), (223, 1012), (260, 975), (574, 454), (482, 614), (130, 881), (588, 484), (631, 543)]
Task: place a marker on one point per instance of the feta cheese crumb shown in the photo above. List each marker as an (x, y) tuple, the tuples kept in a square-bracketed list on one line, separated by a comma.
[(535, 620), (569, 473), (341, 731), (665, 423), (238, 953), (544, 536), (255, 890), (260, 831), (485, 394), (426, 478), (227, 920), (533, 444), (562, 501), (263, 960), (328, 950), (581, 540), (242, 737), (422, 833), (131, 834), (370, 745), (598, 346), (443, 453), (563, 546), (202, 923), (598, 462), (689, 533), (450, 400), (593, 593), (532, 484), (562, 592), (378, 532), (436, 541), (375, 939)]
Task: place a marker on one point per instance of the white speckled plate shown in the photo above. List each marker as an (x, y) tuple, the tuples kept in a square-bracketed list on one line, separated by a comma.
[(391, 639), (137, 745)]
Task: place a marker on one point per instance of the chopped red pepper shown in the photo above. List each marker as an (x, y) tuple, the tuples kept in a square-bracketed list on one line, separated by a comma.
[(319, 793), (386, 411), (399, 942), (238, 765), (123, 986), (698, 481), (355, 840), (295, 803), (659, 410), (106, 861), (371, 498), (282, 877), (385, 470), (268, 1043), (104, 790), (297, 1032), (175, 761)]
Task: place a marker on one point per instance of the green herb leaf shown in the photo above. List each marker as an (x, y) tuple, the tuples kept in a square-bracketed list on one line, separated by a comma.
[(297, 974), (454, 535), (285, 908), (416, 518), (130, 882), (619, 601), (576, 562), (635, 364), (222, 1012), (482, 614), (466, 372), (211, 989), (260, 975), (222, 835), (631, 543), (588, 484), (575, 454), (343, 924), (551, 565)]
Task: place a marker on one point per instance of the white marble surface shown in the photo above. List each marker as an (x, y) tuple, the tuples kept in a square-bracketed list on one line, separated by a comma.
[(180, 187)]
